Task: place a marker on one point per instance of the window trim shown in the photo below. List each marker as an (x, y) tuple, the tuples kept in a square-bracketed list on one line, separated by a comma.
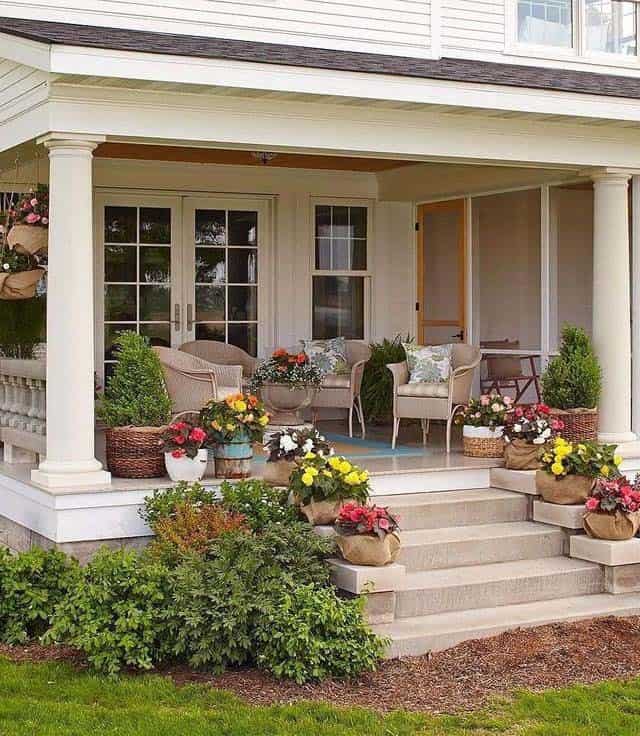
[(367, 274)]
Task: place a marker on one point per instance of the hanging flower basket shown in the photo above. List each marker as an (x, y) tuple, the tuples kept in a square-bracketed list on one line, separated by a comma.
[(28, 239), (20, 284), (568, 490)]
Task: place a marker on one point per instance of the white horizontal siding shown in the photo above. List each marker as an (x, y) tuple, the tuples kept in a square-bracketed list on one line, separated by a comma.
[(474, 25), (21, 87), (388, 26)]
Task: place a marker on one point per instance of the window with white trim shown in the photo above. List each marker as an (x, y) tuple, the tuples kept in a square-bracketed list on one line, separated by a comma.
[(341, 237)]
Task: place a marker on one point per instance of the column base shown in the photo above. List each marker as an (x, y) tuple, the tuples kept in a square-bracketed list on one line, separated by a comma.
[(615, 438), (52, 474)]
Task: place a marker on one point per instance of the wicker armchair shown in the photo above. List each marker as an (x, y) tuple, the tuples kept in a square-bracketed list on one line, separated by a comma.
[(426, 401), (342, 390), (221, 353), (192, 382)]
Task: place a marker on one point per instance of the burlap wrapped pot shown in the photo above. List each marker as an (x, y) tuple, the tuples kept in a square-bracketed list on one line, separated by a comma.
[(367, 549), (522, 455), (569, 490), (320, 513), (278, 472), (617, 526), (21, 285), (29, 239)]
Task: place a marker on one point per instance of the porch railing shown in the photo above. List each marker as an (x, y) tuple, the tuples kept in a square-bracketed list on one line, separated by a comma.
[(22, 409)]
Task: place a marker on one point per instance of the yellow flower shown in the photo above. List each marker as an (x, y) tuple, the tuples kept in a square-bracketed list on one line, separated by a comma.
[(307, 479), (557, 468), (364, 476), (310, 456), (617, 459), (240, 405), (327, 473), (345, 467), (311, 471), (546, 457), (263, 421), (352, 478), (560, 441), (605, 470), (335, 462), (230, 427), (216, 425)]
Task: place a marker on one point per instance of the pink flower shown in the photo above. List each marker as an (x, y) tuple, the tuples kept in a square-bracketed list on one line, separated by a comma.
[(485, 400), (508, 400), (32, 218), (383, 523), (592, 504), (178, 454), (198, 435), (33, 202), (45, 220)]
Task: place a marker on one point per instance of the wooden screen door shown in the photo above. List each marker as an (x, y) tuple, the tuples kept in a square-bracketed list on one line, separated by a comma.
[(441, 233)]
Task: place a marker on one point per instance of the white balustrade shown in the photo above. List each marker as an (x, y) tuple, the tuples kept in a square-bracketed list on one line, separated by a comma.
[(22, 408)]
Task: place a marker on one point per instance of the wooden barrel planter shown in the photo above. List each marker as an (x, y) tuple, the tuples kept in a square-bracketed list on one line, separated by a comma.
[(233, 459), (135, 452), (20, 285)]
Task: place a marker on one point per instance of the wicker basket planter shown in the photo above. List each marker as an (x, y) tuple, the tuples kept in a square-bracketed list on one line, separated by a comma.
[(278, 472), (569, 490), (29, 239), (369, 549), (521, 455), (20, 285), (482, 441), (580, 425), (135, 452), (617, 526), (285, 403)]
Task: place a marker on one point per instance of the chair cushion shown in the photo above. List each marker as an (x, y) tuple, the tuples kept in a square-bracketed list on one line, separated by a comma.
[(336, 380), (428, 363), (425, 390), (330, 356)]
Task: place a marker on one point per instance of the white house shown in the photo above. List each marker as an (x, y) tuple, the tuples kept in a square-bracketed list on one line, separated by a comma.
[(322, 135)]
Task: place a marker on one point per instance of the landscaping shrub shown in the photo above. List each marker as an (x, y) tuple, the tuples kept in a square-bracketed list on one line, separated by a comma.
[(163, 503), (311, 634), (573, 379), (258, 502), (115, 613), (31, 586)]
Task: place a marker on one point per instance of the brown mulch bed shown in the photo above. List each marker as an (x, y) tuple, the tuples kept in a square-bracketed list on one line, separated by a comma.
[(460, 678)]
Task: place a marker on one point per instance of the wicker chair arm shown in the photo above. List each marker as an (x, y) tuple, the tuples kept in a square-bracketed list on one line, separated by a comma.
[(357, 373), (228, 375), (460, 382)]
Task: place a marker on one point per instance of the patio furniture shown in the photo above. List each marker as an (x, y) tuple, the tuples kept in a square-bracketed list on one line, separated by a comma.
[(506, 371), (426, 401), (192, 382), (221, 353), (342, 390)]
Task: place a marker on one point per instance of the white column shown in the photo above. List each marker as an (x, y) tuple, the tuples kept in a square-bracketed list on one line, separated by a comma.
[(611, 303), (70, 458)]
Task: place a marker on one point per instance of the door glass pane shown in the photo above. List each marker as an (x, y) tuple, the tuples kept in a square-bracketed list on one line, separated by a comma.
[(155, 303), (243, 228), (245, 337), (120, 263), (110, 334), (120, 303), (243, 303), (210, 265), (211, 227), (155, 265), (338, 307), (243, 266), (210, 332), (120, 224), (611, 26), (158, 334), (155, 225), (545, 22), (441, 277), (210, 303)]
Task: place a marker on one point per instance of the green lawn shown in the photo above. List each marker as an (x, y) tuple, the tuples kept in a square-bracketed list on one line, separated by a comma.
[(53, 699)]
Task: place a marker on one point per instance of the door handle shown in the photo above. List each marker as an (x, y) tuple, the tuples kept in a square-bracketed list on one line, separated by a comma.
[(459, 335), (177, 322), (189, 317)]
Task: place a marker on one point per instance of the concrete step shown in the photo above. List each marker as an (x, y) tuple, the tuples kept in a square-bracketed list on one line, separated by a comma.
[(455, 508), (496, 584), (432, 549), (414, 636)]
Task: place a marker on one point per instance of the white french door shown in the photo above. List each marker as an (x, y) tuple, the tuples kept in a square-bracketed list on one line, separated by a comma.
[(180, 268)]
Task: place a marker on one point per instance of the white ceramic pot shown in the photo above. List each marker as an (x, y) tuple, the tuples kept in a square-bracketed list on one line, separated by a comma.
[(186, 468), (482, 433)]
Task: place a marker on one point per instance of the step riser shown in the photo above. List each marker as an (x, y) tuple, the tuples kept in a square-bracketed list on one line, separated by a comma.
[(461, 514), (480, 552), (498, 593)]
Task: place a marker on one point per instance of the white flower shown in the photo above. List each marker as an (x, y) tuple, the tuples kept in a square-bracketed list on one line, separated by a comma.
[(517, 427), (538, 441), (308, 446), (287, 444), (496, 407), (546, 434), (6, 266)]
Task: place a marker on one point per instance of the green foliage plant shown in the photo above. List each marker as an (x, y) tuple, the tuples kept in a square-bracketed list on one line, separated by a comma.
[(22, 327), (32, 584), (258, 502), (333, 478), (312, 634), (136, 394), (163, 502), (573, 379), (377, 381)]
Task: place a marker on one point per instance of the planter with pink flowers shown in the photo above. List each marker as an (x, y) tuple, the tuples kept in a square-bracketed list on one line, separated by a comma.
[(367, 535), (185, 456), (613, 510), (483, 425), (527, 432), (29, 223)]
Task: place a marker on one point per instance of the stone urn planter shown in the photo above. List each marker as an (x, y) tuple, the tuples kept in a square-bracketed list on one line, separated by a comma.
[(616, 526), (185, 468), (29, 239), (369, 549), (320, 513), (285, 402), (20, 285), (522, 455), (482, 441), (569, 490), (277, 473)]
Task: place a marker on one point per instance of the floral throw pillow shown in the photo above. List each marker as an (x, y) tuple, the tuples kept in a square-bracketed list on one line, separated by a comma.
[(428, 363), (329, 356)]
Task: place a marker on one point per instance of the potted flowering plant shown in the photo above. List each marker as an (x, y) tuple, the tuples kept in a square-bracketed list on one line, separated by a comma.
[(613, 510), (287, 383), (483, 425), (367, 535), (185, 456), (526, 431), (287, 446), (29, 223), (321, 485), (19, 274), (232, 426), (569, 471)]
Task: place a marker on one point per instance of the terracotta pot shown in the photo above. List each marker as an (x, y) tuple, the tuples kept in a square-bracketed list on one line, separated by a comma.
[(135, 452), (285, 403), (571, 489), (28, 239), (365, 549), (522, 455), (580, 425), (186, 468), (323, 512), (277, 473), (21, 285), (616, 527)]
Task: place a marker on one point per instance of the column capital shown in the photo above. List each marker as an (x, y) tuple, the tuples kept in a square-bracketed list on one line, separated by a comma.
[(83, 141), (612, 175)]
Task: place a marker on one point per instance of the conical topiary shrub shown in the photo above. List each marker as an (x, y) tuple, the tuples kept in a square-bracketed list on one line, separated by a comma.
[(572, 383)]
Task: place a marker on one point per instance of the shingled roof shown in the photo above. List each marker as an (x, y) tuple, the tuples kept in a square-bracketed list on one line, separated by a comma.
[(456, 70)]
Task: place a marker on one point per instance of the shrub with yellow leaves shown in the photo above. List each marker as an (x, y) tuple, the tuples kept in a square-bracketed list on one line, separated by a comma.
[(322, 478)]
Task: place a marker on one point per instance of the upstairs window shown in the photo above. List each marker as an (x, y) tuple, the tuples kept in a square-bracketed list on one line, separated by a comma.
[(546, 22), (610, 27)]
